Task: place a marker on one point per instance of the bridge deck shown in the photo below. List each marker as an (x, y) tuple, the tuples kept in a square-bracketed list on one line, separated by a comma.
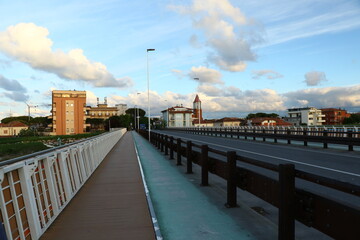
[(112, 203)]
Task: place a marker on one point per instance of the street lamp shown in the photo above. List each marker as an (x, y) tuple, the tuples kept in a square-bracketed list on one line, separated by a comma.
[(198, 105), (135, 117), (138, 116), (148, 85)]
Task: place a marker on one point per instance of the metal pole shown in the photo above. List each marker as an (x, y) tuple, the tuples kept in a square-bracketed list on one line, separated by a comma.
[(148, 85)]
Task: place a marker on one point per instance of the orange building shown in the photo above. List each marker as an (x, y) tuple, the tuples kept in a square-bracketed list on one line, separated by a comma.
[(334, 116), (68, 112)]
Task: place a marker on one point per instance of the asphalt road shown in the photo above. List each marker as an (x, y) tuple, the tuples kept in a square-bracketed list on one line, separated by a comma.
[(337, 164)]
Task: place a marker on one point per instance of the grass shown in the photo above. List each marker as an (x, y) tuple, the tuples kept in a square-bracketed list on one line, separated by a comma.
[(45, 138), (8, 151), (11, 147)]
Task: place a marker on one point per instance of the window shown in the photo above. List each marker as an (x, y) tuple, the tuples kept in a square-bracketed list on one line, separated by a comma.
[(5, 131), (67, 130)]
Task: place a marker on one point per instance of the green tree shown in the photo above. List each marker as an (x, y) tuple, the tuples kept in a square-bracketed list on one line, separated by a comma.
[(95, 123), (261, 114), (131, 111), (353, 119)]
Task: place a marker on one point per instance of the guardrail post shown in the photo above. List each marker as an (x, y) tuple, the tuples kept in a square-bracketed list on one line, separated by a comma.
[(286, 202), (178, 152), (350, 135), (288, 132), (204, 165), (231, 179), (264, 139), (275, 132), (305, 134), (166, 145), (325, 135), (254, 138), (171, 148), (162, 142), (238, 136), (188, 157), (245, 134)]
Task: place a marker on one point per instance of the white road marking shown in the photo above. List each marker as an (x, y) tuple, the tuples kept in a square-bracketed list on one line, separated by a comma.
[(279, 158)]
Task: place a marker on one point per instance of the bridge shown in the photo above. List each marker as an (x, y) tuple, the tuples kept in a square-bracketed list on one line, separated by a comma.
[(118, 186)]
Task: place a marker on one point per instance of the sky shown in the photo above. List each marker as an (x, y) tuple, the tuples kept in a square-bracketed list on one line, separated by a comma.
[(247, 56)]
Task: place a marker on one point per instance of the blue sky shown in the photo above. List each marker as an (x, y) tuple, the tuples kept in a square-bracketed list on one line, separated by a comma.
[(249, 56)]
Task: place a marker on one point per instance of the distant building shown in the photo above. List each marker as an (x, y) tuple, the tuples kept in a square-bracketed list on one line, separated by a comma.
[(101, 110), (12, 128), (229, 122), (204, 123), (121, 109), (266, 121), (68, 112), (334, 116), (178, 116), (308, 116)]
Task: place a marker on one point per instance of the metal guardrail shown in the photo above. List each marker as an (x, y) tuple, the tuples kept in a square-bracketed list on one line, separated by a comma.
[(350, 138), (331, 217), (36, 188)]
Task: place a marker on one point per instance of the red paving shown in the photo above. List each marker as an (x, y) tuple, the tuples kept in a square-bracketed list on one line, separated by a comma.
[(112, 203)]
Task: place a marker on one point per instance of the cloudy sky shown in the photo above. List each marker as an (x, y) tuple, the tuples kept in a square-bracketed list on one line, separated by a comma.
[(248, 56)]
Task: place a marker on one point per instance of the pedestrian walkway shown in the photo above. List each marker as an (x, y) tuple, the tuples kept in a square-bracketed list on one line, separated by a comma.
[(112, 203), (186, 210)]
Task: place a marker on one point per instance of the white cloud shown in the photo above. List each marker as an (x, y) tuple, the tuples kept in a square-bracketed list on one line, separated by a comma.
[(314, 78), (29, 43), (16, 91), (224, 28), (205, 75), (325, 97), (269, 74)]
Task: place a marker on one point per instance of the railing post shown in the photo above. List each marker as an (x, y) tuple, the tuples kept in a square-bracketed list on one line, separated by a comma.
[(231, 179), (325, 142), (189, 157), (286, 202), (245, 134), (288, 133), (204, 165), (171, 147), (162, 142), (238, 136), (275, 132), (305, 134), (264, 139), (349, 135), (178, 152), (254, 138), (166, 145)]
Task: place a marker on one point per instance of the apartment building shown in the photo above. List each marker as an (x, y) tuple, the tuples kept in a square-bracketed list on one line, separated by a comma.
[(308, 116), (68, 112), (334, 116), (178, 116)]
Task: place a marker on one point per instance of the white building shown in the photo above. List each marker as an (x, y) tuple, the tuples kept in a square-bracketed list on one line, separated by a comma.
[(308, 116), (178, 116), (121, 108)]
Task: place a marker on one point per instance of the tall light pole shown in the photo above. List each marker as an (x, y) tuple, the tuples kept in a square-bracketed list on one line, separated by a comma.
[(148, 85), (198, 105), (134, 117), (138, 116)]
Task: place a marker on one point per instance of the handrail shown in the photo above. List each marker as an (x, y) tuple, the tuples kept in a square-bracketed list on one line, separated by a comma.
[(293, 203), (37, 187)]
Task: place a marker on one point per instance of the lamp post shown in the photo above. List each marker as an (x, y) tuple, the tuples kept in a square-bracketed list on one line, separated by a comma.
[(148, 85), (134, 117), (198, 105), (138, 116)]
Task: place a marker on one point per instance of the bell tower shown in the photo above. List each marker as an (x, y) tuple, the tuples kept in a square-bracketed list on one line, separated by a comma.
[(197, 109)]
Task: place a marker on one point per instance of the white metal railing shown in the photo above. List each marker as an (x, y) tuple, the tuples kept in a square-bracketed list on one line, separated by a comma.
[(35, 190), (335, 131)]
